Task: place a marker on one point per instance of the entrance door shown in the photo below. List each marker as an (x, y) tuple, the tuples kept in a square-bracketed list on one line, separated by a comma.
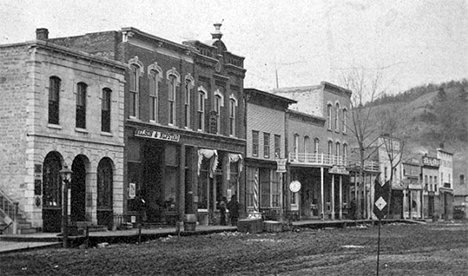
[(78, 190), (52, 193), (431, 206)]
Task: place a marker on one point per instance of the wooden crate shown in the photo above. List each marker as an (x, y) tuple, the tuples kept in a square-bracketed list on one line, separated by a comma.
[(272, 226), (250, 225)]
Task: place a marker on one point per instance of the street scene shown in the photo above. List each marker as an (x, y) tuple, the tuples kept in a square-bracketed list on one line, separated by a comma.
[(406, 249), (270, 138)]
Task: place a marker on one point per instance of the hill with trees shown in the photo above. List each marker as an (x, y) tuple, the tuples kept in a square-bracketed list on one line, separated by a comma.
[(426, 117)]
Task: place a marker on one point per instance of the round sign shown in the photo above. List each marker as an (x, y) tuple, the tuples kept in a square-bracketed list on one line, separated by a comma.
[(295, 186)]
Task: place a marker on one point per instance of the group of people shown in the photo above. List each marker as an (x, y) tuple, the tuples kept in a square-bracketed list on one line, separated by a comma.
[(232, 206)]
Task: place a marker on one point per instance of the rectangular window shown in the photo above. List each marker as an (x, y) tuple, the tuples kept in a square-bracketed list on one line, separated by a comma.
[(201, 110), (81, 105), (106, 110), (134, 90), (266, 145), (153, 93), (255, 142), (232, 117), (277, 146), (54, 90)]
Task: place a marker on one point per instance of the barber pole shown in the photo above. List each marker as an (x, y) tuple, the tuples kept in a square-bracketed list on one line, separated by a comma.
[(255, 199)]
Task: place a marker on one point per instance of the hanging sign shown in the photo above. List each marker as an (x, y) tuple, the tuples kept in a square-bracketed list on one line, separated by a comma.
[(281, 165), (338, 170)]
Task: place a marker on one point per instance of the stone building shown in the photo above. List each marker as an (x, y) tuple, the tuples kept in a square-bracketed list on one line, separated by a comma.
[(318, 150), (60, 107), (266, 147), (184, 122)]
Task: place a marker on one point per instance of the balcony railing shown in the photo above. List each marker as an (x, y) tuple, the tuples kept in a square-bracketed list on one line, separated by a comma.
[(317, 159)]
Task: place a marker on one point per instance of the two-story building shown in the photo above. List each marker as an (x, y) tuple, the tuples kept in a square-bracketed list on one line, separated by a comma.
[(60, 107), (430, 181), (318, 149), (184, 122), (446, 182), (266, 152), (412, 193)]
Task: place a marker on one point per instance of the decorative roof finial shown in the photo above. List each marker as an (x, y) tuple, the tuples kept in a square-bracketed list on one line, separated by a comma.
[(217, 34)]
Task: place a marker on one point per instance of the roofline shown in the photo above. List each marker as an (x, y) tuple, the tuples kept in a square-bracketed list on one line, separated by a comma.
[(166, 41), (305, 114), (268, 94), (67, 50)]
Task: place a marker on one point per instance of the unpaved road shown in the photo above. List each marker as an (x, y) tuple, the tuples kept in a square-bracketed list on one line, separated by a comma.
[(430, 249)]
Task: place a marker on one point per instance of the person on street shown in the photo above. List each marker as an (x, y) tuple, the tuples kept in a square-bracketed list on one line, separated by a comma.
[(233, 207), (222, 210)]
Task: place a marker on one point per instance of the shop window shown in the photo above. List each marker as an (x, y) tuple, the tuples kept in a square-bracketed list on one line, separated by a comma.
[(106, 110), (54, 96), (81, 105)]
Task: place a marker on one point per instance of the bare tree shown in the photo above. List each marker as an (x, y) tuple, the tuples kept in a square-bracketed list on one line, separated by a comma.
[(365, 85)]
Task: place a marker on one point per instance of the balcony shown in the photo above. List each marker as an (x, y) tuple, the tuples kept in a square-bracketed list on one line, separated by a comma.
[(316, 159)]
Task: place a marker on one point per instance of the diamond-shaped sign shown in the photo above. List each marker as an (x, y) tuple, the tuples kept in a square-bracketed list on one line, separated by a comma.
[(380, 203)]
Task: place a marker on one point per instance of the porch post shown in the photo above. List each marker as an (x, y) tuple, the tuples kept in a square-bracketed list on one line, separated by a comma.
[(340, 216), (181, 185), (321, 194), (332, 201)]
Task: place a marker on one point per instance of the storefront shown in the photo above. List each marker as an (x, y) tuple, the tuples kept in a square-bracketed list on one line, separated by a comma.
[(172, 173)]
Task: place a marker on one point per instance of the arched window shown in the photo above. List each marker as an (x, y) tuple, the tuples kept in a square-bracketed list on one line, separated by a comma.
[(337, 149), (134, 85), (306, 143), (296, 145), (330, 147), (173, 79), (232, 115), (337, 117), (81, 105), (329, 116), (201, 97), (218, 98), (189, 84), (54, 96), (316, 145), (106, 110), (345, 151), (154, 75), (345, 120)]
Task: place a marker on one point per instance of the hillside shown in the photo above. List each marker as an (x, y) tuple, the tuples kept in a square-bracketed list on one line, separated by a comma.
[(428, 117)]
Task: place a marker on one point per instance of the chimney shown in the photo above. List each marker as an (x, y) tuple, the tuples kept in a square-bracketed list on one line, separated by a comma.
[(441, 145), (42, 34), (217, 34)]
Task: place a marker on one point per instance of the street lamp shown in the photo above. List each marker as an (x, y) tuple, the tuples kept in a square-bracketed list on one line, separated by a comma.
[(65, 174)]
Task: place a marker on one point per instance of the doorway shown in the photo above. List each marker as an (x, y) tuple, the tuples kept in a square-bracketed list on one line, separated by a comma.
[(78, 190)]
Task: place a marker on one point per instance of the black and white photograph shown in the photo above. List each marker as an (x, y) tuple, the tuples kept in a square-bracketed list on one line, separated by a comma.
[(211, 137)]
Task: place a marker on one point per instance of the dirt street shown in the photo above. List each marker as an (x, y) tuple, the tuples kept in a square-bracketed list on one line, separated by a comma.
[(430, 249)]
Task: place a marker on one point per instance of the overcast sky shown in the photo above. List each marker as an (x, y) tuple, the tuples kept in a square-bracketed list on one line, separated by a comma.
[(304, 41)]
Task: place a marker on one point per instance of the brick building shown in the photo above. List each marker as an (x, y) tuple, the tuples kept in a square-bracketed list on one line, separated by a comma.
[(184, 122), (266, 143), (60, 107), (318, 150)]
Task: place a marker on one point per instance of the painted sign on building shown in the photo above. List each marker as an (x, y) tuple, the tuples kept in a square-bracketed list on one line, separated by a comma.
[(338, 170), (153, 134), (430, 161)]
